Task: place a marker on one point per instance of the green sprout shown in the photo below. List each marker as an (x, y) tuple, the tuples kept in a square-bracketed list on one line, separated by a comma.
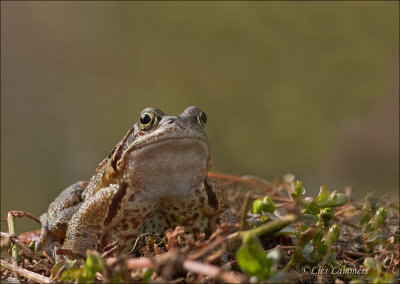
[(298, 192), (373, 233), (266, 205)]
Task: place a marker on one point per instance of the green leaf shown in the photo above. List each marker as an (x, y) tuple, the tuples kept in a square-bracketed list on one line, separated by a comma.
[(370, 262), (147, 275), (371, 200), (298, 192), (326, 215), (309, 219), (310, 206), (73, 270), (94, 261), (252, 259), (288, 230), (327, 199), (71, 275), (257, 206), (32, 246), (270, 216), (308, 252), (372, 236), (332, 235), (323, 194), (372, 267), (379, 218), (385, 278)]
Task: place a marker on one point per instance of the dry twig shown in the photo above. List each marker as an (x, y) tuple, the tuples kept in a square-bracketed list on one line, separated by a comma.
[(34, 256), (252, 182), (25, 273)]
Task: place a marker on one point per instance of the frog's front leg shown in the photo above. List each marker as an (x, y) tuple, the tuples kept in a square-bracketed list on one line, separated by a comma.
[(47, 241), (96, 215), (54, 222)]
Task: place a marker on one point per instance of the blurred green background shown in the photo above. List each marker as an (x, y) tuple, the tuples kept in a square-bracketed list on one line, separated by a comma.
[(309, 88)]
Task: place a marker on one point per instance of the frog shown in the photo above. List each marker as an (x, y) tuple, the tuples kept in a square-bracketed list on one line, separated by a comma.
[(154, 179)]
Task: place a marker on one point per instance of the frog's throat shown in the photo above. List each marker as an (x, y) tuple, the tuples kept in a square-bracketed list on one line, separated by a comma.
[(114, 170), (138, 145), (171, 168)]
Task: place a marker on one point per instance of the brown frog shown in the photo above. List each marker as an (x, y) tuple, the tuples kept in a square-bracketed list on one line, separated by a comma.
[(154, 179)]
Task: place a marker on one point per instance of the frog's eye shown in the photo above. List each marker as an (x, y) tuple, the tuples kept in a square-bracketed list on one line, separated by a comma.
[(201, 117), (147, 120)]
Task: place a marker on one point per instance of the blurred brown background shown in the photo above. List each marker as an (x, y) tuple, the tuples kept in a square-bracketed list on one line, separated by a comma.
[(309, 88)]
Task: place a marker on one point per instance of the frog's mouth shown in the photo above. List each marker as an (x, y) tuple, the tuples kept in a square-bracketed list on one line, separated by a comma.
[(169, 169)]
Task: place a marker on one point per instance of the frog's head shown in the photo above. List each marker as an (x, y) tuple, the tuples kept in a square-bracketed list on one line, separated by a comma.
[(166, 156)]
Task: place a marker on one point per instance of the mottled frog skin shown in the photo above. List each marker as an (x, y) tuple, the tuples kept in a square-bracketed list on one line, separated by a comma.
[(154, 179)]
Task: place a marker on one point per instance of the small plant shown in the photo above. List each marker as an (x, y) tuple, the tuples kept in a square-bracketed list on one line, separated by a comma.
[(375, 273), (80, 271), (254, 261), (372, 221), (316, 236)]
